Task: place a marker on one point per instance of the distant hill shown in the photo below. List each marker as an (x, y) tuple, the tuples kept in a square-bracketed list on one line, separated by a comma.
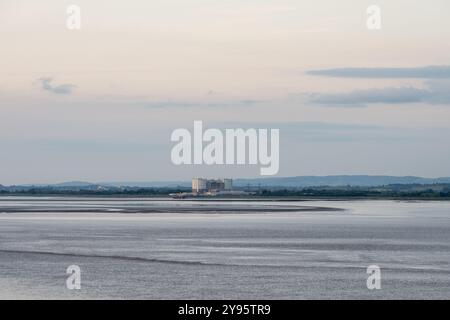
[(287, 182), (67, 184), (149, 184), (300, 181), (361, 180), (74, 184)]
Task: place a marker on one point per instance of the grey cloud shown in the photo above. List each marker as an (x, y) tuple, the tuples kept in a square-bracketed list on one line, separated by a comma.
[(435, 93), (47, 85), (429, 72)]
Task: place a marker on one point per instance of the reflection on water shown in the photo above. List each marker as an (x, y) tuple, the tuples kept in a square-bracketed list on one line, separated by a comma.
[(194, 255)]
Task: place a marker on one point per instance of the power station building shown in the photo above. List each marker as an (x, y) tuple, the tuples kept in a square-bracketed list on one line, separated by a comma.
[(200, 185)]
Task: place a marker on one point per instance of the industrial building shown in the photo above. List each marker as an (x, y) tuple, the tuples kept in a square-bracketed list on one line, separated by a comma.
[(201, 185)]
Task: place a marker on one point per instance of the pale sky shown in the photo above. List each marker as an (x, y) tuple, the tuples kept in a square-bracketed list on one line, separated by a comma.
[(99, 103)]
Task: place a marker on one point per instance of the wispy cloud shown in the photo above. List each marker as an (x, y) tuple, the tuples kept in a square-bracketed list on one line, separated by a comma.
[(47, 85), (435, 92), (429, 72), (360, 98), (342, 132), (192, 104), (436, 89)]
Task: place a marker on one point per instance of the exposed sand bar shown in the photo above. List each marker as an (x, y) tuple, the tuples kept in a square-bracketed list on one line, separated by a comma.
[(150, 206)]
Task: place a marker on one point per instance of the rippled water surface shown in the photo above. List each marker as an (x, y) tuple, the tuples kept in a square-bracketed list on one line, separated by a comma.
[(158, 249)]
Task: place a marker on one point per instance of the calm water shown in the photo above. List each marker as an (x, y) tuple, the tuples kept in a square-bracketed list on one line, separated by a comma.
[(230, 255)]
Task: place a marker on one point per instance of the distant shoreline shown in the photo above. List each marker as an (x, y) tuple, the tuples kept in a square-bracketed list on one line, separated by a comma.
[(73, 197), (266, 193), (119, 197)]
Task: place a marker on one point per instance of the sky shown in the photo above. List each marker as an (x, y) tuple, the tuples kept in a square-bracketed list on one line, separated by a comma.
[(99, 103)]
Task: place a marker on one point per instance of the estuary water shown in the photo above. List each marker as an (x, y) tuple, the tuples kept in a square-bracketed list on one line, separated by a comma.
[(169, 249)]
